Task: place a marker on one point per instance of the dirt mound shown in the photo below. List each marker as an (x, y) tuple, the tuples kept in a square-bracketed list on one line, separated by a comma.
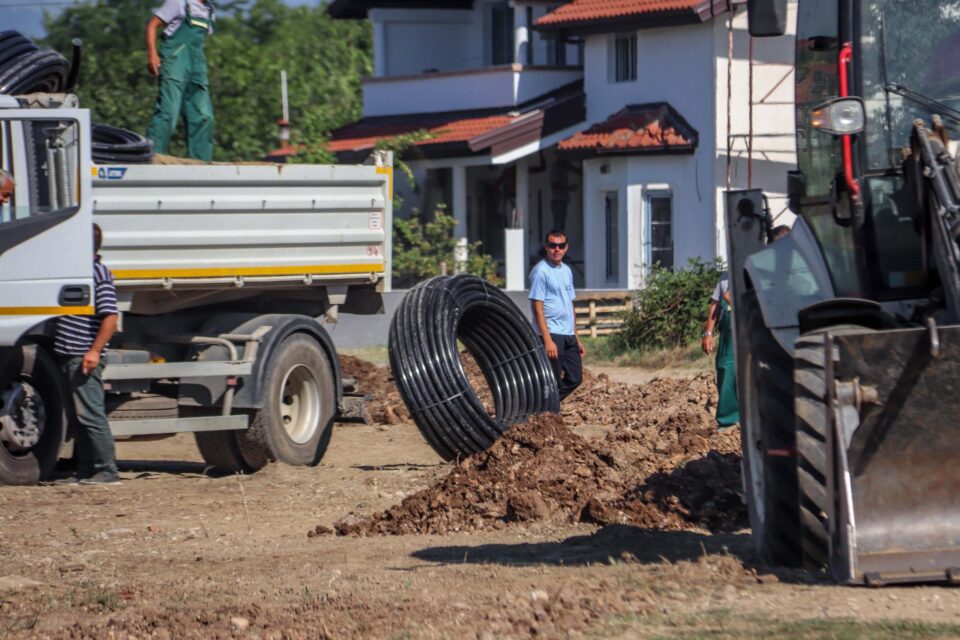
[(541, 471), (385, 406)]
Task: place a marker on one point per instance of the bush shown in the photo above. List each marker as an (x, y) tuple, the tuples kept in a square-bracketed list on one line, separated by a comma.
[(670, 311), (421, 250)]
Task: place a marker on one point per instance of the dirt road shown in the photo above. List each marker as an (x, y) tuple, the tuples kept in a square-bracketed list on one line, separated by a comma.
[(172, 553)]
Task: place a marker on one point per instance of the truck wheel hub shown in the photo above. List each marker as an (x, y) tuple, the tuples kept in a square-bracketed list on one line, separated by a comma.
[(22, 417)]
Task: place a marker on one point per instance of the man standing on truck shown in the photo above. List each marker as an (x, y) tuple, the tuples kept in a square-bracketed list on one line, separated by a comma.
[(81, 343), (182, 71), (551, 296)]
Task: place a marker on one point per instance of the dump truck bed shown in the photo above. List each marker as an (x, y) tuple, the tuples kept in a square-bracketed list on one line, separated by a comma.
[(211, 226)]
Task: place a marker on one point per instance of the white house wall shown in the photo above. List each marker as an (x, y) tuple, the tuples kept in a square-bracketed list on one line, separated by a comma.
[(673, 66)]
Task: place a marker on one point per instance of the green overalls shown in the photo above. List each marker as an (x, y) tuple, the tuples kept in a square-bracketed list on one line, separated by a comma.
[(728, 411), (183, 85)]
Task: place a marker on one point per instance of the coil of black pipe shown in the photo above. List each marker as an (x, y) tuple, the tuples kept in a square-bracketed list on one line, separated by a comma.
[(112, 145), (425, 363), (26, 68)]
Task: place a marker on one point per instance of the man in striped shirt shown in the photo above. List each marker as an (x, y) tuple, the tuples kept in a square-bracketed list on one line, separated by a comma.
[(81, 342)]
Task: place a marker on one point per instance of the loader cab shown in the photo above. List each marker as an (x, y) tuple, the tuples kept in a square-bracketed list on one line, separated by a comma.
[(852, 189), (45, 226)]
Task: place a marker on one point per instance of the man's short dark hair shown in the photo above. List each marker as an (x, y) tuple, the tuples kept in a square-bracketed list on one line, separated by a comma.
[(97, 237), (780, 231), (555, 233)]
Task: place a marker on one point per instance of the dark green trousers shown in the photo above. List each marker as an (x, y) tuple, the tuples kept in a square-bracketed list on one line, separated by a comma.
[(94, 449), (183, 89), (728, 410)]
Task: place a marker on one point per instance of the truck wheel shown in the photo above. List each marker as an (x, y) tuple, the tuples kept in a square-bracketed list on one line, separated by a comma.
[(295, 422), (220, 450), (767, 433), (32, 417)]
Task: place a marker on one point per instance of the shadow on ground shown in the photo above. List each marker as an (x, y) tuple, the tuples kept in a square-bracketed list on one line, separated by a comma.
[(614, 542)]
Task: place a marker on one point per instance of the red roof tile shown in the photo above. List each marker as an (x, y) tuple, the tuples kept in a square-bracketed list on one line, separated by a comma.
[(580, 11), (363, 135), (642, 128)]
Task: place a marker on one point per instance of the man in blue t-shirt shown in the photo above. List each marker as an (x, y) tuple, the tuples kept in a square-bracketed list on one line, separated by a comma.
[(551, 296)]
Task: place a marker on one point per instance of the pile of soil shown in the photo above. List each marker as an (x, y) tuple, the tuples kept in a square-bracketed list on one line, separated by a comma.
[(663, 465)]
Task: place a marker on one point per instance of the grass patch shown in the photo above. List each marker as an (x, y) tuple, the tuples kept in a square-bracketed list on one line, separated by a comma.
[(718, 624), (603, 351)]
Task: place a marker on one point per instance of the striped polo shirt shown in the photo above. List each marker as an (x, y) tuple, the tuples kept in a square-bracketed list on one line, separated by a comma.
[(75, 334)]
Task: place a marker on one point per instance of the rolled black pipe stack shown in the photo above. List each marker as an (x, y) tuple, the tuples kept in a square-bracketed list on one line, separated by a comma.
[(26, 68), (425, 362)]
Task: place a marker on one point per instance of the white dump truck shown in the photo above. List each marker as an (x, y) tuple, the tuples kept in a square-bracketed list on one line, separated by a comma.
[(223, 272)]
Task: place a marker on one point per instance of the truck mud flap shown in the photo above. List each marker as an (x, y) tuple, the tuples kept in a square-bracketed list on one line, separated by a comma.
[(896, 468)]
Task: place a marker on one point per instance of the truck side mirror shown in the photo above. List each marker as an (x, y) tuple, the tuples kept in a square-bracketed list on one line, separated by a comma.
[(767, 18)]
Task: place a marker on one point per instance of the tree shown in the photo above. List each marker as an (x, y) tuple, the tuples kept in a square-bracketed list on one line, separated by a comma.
[(253, 41)]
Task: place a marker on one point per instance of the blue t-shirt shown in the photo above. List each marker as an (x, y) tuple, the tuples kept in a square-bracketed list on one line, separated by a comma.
[(554, 286)]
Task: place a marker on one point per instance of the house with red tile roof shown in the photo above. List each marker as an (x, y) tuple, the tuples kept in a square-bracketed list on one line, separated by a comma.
[(620, 121)]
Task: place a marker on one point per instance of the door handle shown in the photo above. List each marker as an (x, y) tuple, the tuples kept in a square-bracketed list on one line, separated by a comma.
[(74, 295)]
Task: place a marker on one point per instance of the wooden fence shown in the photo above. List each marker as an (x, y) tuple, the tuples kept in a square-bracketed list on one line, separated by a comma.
[(600, 314)]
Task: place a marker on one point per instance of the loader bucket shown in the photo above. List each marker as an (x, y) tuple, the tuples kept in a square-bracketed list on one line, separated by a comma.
[(896, 436)]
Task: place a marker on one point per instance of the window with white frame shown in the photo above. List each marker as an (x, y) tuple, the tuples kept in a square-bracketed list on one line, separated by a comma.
[(660, 229), (611, 216), (624, 58)]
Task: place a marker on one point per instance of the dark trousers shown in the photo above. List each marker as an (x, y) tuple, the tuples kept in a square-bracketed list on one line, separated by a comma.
[(93, 443), (568, 367)]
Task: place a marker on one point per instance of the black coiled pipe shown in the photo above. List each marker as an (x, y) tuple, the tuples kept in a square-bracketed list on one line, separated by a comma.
[(426, 364), (26, 68), (112, 145)]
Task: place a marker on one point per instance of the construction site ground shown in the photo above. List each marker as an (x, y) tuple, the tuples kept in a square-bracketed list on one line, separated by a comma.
[(503, 547)]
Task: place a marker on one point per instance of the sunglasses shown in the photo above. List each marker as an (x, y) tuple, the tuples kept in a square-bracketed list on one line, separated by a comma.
[(557, 245)]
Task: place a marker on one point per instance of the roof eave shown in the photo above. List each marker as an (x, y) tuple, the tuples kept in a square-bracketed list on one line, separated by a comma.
[(603, 152), (676, 18)]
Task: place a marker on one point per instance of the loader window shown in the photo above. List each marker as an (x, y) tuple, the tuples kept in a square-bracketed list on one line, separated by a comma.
[(914, 44), (43, 158), (893, 235)]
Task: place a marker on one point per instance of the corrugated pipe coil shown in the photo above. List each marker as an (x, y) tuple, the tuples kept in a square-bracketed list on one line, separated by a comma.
[(26, 68), (425, 363), (112, 145)]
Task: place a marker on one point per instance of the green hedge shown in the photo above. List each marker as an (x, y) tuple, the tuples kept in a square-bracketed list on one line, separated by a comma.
[(670, 311)]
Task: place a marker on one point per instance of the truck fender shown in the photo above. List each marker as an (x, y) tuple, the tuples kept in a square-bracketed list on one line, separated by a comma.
[(249, 394)]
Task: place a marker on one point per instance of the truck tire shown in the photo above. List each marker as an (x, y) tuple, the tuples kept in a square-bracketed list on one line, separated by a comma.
[(299, 405), (34, 424), (221, 452), (767, 432), (141, 406)]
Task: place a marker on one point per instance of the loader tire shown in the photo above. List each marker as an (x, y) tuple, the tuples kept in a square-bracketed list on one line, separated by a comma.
[(296, 420), (812, 442), (767, 432), (813, 421)]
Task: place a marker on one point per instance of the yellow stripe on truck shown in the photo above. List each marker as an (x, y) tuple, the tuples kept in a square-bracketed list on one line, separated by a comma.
[(220, 272), (47, 311)]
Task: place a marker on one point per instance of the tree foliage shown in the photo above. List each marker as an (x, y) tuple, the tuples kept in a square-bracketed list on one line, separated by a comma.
[(423, 249), (253, 41), (671, 309)]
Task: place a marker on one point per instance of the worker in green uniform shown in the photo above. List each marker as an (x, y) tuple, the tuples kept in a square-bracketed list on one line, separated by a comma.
[(719, 325), (182, 71)]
